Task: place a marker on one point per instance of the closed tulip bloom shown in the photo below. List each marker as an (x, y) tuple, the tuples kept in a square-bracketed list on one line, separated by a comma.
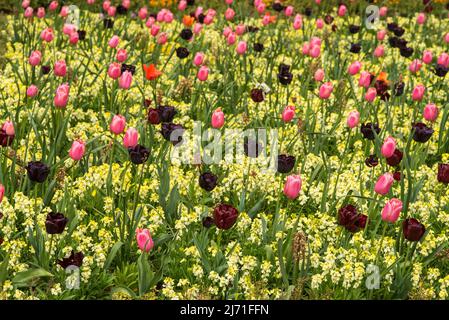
[(114, 41), (162, 38), (446, 37), (35, 58), (144, 240), (388, 147), (319, 23), (288, 114), (53, 5), (289, 11), (240, 29), (383, 11), (40, 12), (231, 38), (182, 5), (353, 119), (131, 138), (115, 70), (443, 173), (392, 210), (297, 23), (8, 128), (118, 124), (225, 216), (319, 75), (412, 229), (199, 58), (418, 92), (342, 10), (28, 12), (292, 186), (241, 47), (143, 12), (74, 38), (421, 19), (47, 35), (371, 94), (2, 192), (203, 73), (229, 14), (443, 59), (60, 68), (77, 150), (315, 51), (427, 56), (218, 119), (197, 27), (384, 183), (125, 80), (68, 28), (25, 4), (305, 48), (64, 11), (326, 90), (365, 79), (379, 51), (62, 96), (55, 223), (121, 55), (430, 112), (415, 66), (381, 35), (32, 91), (354, 68), (227, 31), (106, 5)]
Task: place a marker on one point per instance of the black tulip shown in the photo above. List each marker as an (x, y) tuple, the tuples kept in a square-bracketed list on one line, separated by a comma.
[(354, 29), (421, 132), (182, 52), (368, 129), (257, 95), (75, 259), (167, 130), (258, 47), (372, 161), (285, 163), (355, 48), (37, 171), (412, 229), (138, 154), (441, 70), (406, 52), (443, 173), (186, 34), (55, 223), (208, 181), (166, 113), (395, 159)]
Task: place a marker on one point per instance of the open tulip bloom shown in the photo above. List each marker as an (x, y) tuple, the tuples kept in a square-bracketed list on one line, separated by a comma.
[(228, 149)]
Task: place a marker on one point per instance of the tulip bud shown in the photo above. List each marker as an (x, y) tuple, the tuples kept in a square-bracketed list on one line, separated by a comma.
[(35, 58), (371, 94), (218, 119), (241, 47), (388, 147), (77, 150), (203, 73), (125, 80), (427, 56), (353, 119), (60, 68), (292, 186), (430, 112), (114, 70), (144, 240), (384, 183), (354, 68), (391, 210), (118, 124), (131, 138), (114, 41), (288, 114), (326, 90), (418, 92), (32, 91)]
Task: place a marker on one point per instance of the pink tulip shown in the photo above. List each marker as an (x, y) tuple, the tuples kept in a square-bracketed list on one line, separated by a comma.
[(35, 58), (106, 5), (326, 90), (64, 11), (143, 12), (392, 210), (203, 73), (168, 17), (68, 28), (125, 80), (28, 12), (383, 11), (292, 186), (418, 92), (306, 48), (218, 119), (241, 47), (131, 138), (47, 35), (288, 114), (315, 51), (53, 5), (443, 59), (113, 42), (126, 3), (289, 11), (25, 4), (182, 5), (62, 96), (155, 30), (240, 29), (32, 91), (261, 8), (430, 112), (60, 68), (8, 127), (229, 14), (415, 66), (384, 183), (354, 68), (297, 23), (197, 27), (315, 41), (427, 56), (365, 79), (118, 124), (74, 38), (353, 119), (227, 31), (114, 70), (421, 19), (77, 150), (319, 75), (40, 12), (2, 192), (229, 2), (198, 59), (198, 11), (319, 23), (379, 51), (446, 36), (121, 55), (162, 38), (388, 147), (144, 240), (342, 10), (371, 94), (150, 22), (381, 34)]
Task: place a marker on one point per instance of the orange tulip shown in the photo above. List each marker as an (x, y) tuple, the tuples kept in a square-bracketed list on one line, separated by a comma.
[(188, 21), (151, 73)]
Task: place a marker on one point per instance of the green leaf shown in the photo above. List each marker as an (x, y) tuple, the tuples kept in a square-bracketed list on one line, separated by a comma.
[(25, 276), (145, 274), (4, 270), (111, 256)]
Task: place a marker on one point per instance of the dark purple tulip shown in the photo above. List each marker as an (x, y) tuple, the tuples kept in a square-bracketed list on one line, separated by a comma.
[(351, 219), (55, 223), (37, 171), (138, 154), (257, 95), (225, 216), (443, 173), (168, 129), (285, 163), (166, 113), (5, 140), (396, 158), (368, 130), (372, 161), (413, 229), (75, 259), (421, 132), (208, 181)]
